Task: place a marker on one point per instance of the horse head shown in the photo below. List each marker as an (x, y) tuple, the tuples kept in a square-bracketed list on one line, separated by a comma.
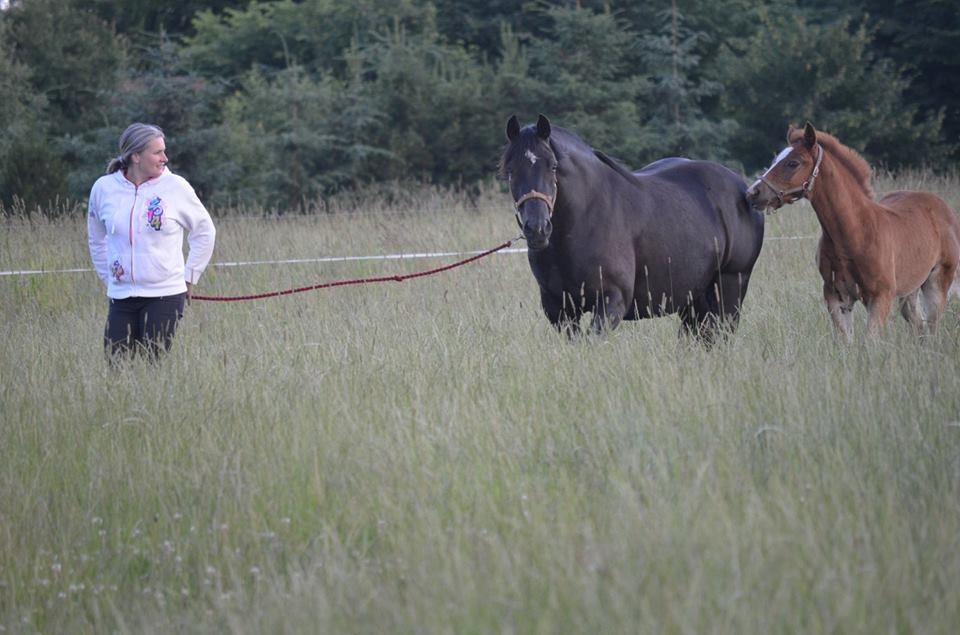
[(793, 172), (530, 166)]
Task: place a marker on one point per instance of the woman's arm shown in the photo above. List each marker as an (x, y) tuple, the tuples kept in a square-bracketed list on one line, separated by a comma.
[(97, 237)]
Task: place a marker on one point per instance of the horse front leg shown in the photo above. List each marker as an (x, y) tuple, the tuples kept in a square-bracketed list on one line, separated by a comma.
[(608, 311), (562, 313), (878, 310), (841, 312)]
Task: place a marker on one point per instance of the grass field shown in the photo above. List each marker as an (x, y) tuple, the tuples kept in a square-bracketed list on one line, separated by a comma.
[(430, 457)]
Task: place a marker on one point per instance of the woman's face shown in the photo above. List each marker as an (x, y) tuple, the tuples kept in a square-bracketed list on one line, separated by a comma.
[(151, 161)]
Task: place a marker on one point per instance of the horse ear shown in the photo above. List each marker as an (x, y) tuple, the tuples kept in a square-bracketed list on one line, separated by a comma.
[(513, 128), (543, 127), (809, 135)]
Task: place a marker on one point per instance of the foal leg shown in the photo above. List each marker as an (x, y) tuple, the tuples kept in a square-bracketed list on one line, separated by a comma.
[(878, 310), (841, 312), (934, 294), (912, 311)]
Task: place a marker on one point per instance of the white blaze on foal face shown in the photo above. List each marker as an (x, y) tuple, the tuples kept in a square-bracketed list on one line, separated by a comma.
[(531, 157), (780, 157)]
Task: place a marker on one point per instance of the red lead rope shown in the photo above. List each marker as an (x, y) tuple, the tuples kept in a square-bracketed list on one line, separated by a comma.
[(344, 283)]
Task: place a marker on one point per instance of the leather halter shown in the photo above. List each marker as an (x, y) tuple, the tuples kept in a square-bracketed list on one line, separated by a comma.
[(546, 198), (803, 189), (535, 194)]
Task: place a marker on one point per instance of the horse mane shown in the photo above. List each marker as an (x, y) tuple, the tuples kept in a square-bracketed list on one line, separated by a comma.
[(847, 157), (563, 143), (617, 167)]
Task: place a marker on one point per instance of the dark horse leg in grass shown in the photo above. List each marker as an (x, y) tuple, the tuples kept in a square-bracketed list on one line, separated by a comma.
[(718, 311)]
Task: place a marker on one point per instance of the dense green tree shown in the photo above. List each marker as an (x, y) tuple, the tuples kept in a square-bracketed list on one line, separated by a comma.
[(30, 169), (436, 115), (920, 37), (185, 105), (73, 57), (674, 120), (278, 101), (314, 35), (287, 139), (149, 17), (579, 75), (792, 71)]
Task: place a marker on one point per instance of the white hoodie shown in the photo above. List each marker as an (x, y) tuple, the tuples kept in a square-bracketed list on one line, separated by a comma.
[(136, 235)]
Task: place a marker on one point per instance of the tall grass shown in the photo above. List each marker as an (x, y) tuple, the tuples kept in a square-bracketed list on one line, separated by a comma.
[(431, 457)]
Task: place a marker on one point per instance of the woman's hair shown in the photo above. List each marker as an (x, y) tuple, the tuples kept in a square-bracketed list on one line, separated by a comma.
[(133, 140)]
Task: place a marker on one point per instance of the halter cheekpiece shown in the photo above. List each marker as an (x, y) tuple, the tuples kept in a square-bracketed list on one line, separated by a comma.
[(804, 189)]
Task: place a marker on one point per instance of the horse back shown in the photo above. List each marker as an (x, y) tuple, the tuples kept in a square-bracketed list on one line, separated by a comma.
[(722, 194), (908, 205)]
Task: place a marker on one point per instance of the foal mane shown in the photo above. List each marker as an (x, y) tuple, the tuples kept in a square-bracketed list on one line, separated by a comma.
[(847, 157)]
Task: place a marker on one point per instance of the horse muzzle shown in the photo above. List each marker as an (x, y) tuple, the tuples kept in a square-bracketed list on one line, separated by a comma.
[(764, 198), (537, 234)]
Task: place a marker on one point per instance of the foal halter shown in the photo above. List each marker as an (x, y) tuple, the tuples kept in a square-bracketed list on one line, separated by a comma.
[(804, 189)]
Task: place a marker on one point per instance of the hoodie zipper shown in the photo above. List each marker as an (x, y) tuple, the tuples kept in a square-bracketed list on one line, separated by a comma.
[(136, 191)]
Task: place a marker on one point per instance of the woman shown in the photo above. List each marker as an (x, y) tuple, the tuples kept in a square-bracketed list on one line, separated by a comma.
[(135, 222)]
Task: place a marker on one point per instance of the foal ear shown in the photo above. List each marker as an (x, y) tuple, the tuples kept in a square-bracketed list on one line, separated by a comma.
[(513, 128), (543, 127), (809, 135)]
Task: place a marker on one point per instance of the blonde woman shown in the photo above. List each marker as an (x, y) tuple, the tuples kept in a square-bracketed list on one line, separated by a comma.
[(136, 217)]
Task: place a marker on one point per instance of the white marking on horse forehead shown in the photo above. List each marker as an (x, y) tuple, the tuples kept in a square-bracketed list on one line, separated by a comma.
[(780, 157), (783, 155), (531, 157)]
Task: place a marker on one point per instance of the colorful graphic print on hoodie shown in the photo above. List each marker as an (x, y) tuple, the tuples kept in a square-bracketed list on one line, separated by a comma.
[(155, 213)]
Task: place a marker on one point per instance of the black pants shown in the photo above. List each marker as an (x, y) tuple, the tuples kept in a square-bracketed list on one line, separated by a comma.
[(147, 324)]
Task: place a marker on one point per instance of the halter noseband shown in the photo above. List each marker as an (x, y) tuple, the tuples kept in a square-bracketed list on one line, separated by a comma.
[(549, 200), (804, 189)]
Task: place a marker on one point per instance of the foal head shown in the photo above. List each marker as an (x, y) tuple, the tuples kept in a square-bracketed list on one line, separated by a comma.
[(530, 166), (792, 174)]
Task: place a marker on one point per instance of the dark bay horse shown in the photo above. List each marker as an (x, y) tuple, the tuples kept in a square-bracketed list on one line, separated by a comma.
[(675, 237), (904, 246)]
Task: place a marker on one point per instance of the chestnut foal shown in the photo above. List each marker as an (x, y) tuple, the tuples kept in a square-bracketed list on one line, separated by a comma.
[(904, 246)]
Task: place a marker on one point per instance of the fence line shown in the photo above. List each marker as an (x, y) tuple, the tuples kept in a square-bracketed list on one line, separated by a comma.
[(328, 259)]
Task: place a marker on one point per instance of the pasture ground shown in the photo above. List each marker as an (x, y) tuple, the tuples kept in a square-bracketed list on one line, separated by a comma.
[(431, 457)]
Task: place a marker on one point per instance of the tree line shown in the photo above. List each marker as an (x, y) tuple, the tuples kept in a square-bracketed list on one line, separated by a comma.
[(275, 103)]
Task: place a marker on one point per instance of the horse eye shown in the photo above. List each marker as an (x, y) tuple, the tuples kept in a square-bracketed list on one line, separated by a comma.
[(793, 163)]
